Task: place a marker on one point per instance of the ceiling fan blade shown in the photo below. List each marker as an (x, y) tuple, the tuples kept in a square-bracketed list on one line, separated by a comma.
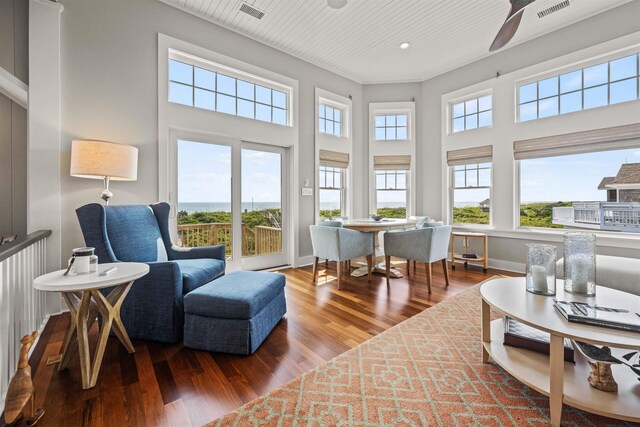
[(510, 26), (507, 31)]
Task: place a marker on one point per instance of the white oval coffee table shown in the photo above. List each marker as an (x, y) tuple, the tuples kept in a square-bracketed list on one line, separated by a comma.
[(82, 294), (550, 375)]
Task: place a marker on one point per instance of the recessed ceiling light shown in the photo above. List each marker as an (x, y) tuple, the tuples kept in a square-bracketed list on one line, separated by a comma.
[(336, 4), (404, 45)]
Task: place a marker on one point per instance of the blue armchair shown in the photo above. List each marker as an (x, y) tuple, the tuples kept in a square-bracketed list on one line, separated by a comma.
[(332, 242), (428, 244), (153, 310)]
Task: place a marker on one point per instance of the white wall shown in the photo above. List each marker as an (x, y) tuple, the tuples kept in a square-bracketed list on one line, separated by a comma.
[(109, 86), (507, 251), (110, 91)]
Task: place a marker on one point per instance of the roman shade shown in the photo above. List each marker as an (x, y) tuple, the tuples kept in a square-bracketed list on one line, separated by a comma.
[(470, 155), (613, 138), (394, 163), (334, 159)]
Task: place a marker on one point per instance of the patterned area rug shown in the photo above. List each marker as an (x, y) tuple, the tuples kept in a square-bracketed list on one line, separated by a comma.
[(425, 371)]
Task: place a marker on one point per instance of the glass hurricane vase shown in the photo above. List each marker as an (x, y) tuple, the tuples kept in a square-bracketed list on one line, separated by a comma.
[(580, 263), (541, 269)]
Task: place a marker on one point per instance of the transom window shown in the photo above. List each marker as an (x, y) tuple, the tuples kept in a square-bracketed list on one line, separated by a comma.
[(391, 127), (331, 192), (201, 88), (471, 193), (330, 120), (603, 84), (471, 114), (391, 193)]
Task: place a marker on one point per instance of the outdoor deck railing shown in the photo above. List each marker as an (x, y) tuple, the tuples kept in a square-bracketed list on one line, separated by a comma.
[(255, 241), (601, 215)]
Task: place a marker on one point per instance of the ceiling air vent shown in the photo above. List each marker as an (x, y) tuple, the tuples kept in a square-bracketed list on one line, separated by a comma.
[(554, 8), (250, 10)]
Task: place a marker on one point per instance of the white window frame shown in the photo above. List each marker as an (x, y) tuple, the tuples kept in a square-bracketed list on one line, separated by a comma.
[(580, 66), (181, 118), (340, 144), (393, 147), (342, 188), (452, 188), (476, 96), (237, 74), (335, 107), (385, 127), (407, 189)]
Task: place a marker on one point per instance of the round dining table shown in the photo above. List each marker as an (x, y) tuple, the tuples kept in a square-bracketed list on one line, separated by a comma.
[(376, 227)]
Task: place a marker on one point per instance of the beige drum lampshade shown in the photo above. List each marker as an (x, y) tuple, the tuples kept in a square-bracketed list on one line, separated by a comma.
[(99, 159)]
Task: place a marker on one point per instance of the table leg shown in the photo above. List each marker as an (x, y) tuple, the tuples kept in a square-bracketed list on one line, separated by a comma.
[(84, 310), (378, 261), (556, 378), (486, 330)]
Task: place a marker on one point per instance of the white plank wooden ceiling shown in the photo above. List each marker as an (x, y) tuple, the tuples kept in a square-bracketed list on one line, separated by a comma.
[(361, 40)]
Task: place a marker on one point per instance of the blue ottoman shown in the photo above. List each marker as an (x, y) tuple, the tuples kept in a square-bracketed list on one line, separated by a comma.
[(234, 313)]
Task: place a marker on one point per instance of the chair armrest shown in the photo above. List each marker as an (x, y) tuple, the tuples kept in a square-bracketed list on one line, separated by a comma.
[(212, 252)]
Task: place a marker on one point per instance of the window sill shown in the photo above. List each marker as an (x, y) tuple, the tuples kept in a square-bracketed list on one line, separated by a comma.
[(604, 239)]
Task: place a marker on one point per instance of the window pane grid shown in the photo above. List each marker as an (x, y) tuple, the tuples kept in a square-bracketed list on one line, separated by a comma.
[(330, 119), (595, 86), (391, 180), (391, 127), (189, 88), (471, 175), (471, 190), (472, 113), (331, 177)]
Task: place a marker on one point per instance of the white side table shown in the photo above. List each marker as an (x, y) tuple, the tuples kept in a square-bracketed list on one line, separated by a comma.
[(82, 294), (550, 375)]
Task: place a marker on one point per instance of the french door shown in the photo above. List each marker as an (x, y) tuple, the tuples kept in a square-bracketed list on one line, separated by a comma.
[(231, 192)]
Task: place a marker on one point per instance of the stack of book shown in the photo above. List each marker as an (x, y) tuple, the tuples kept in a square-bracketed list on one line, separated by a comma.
[(591, 314), (517, 334)]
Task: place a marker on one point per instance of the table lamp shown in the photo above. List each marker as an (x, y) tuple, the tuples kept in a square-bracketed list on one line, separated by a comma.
[(104, 160)]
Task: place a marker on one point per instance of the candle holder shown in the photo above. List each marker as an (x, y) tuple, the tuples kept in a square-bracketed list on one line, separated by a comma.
[(541, 269), (580, 263)]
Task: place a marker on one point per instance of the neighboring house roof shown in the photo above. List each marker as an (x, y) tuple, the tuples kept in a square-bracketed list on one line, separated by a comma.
[(485, 202), (628, 177), (605, 181)]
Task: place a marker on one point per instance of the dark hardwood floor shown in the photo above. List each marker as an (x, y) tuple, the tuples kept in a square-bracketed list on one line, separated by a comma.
[(169, 385)]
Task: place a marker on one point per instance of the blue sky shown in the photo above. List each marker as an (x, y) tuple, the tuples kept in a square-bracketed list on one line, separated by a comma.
[(571, 178), (204, 174)]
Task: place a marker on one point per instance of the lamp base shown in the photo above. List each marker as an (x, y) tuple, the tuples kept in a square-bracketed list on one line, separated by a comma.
[(106, 194)]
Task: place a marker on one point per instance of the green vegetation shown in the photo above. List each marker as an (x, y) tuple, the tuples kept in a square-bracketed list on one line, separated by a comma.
[(392, 212), (250, 219), (540, 214), (531, 214), (470, 215), (329, 213)]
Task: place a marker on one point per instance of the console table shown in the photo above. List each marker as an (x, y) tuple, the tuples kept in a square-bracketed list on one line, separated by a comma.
[(82, 294), (550, 375)]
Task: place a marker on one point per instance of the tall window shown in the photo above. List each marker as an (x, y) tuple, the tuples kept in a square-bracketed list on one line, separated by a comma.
[(471, 114), (331, 192), (330, 120), (201, 88), (593, 191), (391, 193), (596, 86), (391, 127), (471, 193)]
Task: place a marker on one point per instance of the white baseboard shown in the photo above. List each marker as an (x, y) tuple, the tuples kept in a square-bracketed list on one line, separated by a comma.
[(304, 261), (499, 264)]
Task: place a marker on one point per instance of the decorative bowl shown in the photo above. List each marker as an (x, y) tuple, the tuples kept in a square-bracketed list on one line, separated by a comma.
[(376, 218)]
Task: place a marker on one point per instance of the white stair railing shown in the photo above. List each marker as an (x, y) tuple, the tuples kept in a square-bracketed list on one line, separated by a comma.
[(22, 308)]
